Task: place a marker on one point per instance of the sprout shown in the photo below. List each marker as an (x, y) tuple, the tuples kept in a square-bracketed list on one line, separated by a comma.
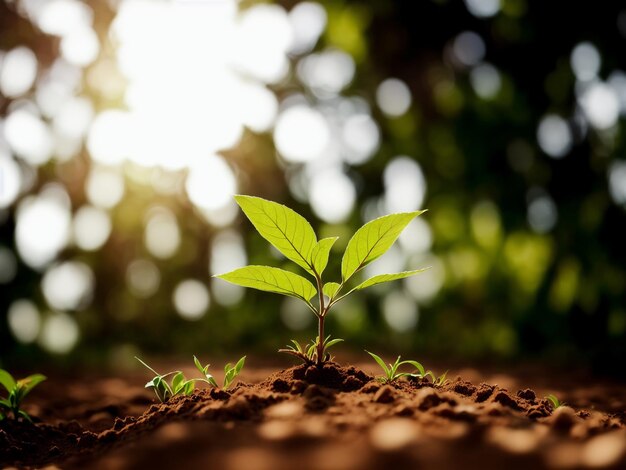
[(17, 389), (293, 236)]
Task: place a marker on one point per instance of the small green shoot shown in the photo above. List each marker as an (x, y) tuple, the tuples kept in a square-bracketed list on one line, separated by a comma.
[(17, 390), (308, 353), (163, 390), (554, 401), (293, 236), (230, 373), (439, 381), (391, 371)]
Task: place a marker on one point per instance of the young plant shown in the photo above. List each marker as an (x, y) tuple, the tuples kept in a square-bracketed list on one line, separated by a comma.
[(391, 370), (17, 390), (230, 373), (554, 401), (439, 381), (308, 353), (293, 236), (164, 390)]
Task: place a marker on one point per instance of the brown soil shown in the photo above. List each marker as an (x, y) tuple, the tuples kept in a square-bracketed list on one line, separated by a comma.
[(311, 418)]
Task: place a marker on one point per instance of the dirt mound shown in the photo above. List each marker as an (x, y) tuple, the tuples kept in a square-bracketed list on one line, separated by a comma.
[(331, 375)]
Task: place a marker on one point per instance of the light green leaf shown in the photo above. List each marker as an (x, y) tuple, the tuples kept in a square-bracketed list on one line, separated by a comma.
[(284, 228), (177, 382), (30, 382), (380, 362), (372, 281), (198, 365), (240, 364), (332, 342), (7, 380), (330, 289), (319, 255), (373, 240), (188, 387), (270, 279)]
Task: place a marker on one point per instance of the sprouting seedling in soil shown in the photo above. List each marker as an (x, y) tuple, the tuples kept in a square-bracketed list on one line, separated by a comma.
[(230, 373), (391, 370), (164, 390), (554, 401), (293, 236), (439, 381), (308, 353), (17, 390)]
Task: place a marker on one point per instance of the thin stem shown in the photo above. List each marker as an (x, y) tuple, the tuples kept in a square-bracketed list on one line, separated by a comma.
[(320, 321)]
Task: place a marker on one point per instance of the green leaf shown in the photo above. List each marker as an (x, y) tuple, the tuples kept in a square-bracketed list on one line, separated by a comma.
[(4, 402), (415, 364), (372, 240), (188, 387), (199, 365), (380, 362), (25, 415), (30, 382), (332, 342), (270, 279), (240, 364), (330, 289), (285, 229), (177, 382), (319, 255), (7, 380), (379, 279)]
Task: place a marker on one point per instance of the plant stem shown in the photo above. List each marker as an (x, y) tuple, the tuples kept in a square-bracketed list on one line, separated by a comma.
[(320, 322), (320, 341)]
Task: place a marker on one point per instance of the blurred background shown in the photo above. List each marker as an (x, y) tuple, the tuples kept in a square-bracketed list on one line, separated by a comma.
[(127, 125)]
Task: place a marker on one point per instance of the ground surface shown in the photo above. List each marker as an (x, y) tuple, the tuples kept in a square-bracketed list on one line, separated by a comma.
[(336, 418)]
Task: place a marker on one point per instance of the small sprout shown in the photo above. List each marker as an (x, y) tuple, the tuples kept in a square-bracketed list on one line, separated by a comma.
[(163, 390), (17, 389), (391, 370), (230, 373), (308, 353), (293, 236), (438, 381), (554, 401)]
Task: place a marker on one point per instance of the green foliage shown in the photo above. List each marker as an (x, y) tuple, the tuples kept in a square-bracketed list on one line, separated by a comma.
[(230, 372), (163, 390), (392, 374), (391, 370), (440, 380), (17, 390), (308, 353), (372, 240), (293, 236), (554, 401), (274, 280)]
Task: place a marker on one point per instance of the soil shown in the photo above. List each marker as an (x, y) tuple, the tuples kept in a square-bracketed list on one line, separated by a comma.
[(319, 418)]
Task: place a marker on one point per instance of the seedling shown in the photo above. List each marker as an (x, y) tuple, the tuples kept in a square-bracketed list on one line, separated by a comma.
[(164, 390), (308, 353), (230, 373), (391, 370), (554, 401), (293, 236), (439, 381), (17, 389)]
